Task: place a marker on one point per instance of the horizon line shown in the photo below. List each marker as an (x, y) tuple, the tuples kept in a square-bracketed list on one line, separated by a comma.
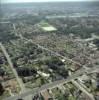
[(46, 2)]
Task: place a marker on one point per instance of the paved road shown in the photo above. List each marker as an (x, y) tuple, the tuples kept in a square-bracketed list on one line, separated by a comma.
[(57, 54), (46, 49), (88, 39), (12, 67), (52, 52), (46, 86), (43, 48), (83, 89), (5, 22), (94, 69), (52, 85)]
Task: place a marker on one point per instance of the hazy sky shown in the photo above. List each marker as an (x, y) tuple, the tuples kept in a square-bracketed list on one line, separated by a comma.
[(11, 1)]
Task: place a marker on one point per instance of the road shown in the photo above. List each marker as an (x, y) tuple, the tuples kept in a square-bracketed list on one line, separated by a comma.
[(52, 52), (95, 69), (46, 86), (43, 48), (12, 68), (88, 39), (5, 22), (52, 85), (83, 89)]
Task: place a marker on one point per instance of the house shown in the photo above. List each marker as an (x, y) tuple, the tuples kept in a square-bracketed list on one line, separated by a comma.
[(45, 94)]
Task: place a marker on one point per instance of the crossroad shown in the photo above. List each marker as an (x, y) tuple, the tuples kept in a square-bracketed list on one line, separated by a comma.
[(53, 84), (46, 86), (52, 52), (49, 85), (43, 48)]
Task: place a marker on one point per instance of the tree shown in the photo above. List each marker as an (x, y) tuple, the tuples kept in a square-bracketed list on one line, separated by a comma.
[(1, 89)]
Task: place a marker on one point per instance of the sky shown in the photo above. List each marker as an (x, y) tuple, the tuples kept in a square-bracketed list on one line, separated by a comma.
[(18, 1)]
